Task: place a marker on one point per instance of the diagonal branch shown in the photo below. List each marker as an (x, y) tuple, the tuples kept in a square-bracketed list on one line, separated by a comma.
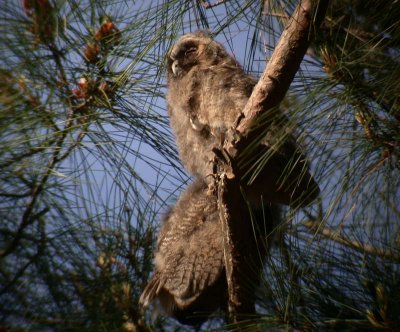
[(268, 93), (356, 245), (280, 70)]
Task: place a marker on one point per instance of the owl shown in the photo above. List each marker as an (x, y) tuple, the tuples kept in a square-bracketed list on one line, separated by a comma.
[(189, 281), (207, 91)]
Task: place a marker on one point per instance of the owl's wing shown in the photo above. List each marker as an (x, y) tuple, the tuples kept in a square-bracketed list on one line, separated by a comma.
[(195, 267), (152, 289), (189, 259), (187, 271)]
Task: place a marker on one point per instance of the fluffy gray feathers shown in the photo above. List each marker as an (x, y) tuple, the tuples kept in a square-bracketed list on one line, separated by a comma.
[(207, 90), (204, 97)]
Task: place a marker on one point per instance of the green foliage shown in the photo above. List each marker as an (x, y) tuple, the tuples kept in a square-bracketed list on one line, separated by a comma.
[(88, 163), (82, 148)]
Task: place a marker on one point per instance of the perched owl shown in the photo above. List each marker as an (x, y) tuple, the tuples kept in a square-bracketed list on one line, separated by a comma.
[(207, 90), (189, 281)]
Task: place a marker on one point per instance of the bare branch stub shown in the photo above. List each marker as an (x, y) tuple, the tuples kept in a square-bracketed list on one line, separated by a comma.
[(267, 94), (208, 5)]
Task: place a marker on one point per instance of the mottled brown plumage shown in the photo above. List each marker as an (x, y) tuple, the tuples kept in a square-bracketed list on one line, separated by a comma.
[(207, 90), (189, 280)]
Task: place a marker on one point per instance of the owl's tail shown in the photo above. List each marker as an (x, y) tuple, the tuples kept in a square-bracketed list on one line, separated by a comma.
[(155, 293), (151, 291)]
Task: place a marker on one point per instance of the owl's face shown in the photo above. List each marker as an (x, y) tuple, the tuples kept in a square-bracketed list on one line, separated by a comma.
[(191, 50)]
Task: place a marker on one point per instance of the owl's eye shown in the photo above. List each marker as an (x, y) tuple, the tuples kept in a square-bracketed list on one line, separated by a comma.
[(190, 51)]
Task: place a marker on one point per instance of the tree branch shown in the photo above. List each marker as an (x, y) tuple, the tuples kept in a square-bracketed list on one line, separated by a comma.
[(280, 70), (267, 94), (232, 216), (356, 245)]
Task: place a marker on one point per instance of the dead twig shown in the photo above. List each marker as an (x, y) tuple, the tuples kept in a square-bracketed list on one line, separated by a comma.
[(208, 5)]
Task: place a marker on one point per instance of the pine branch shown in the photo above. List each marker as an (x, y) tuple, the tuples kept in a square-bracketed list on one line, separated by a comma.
[(230, 206), (356, 245), (41, 244), (268, 93), (28, 216)]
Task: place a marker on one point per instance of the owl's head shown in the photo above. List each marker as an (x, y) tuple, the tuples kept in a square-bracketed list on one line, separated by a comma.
[(192, 50)]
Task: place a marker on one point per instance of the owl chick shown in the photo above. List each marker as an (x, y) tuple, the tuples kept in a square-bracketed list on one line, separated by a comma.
[(207, 90), (189, 281)]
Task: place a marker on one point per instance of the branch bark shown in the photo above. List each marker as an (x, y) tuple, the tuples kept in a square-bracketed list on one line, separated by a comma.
[(267, 94), (233, 214)]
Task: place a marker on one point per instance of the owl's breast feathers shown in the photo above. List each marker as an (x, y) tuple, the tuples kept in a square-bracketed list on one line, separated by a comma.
[(206, 95), (209, 96)]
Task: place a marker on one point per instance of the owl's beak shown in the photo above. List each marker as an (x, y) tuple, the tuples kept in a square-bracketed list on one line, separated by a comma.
[(176, 69)]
